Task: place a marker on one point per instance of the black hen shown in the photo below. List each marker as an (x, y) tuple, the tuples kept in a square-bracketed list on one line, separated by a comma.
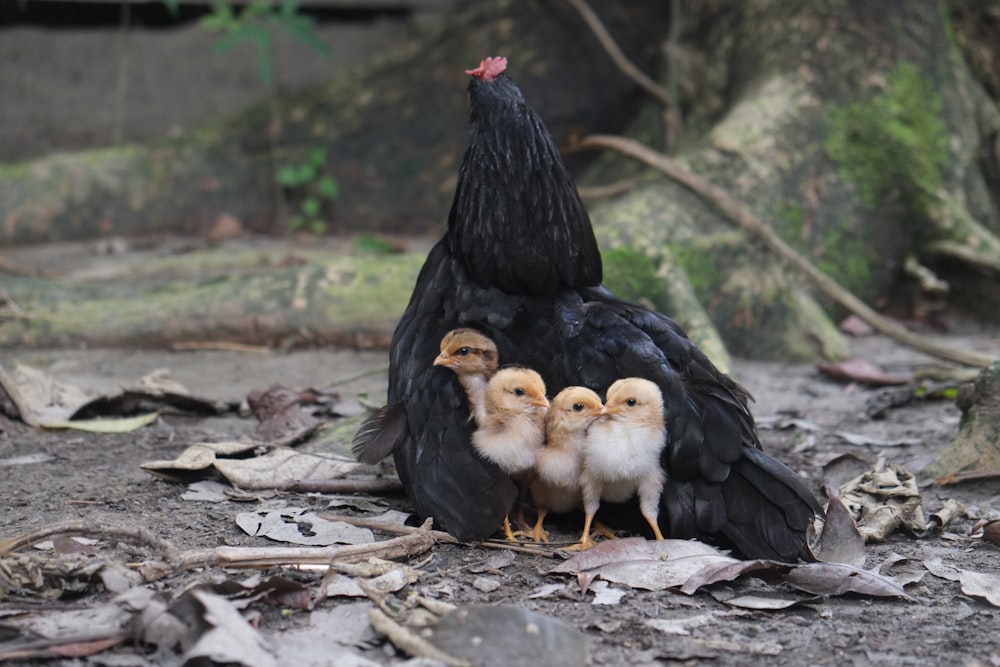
[(520, 263)]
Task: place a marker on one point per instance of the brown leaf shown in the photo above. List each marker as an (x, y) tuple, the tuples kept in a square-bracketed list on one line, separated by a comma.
[(840, 541), (838, 578), (855, 326), (861, 371), (981, 585), (722, 571)]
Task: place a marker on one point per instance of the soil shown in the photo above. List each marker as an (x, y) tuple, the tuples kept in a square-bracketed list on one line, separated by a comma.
[(96, 479)]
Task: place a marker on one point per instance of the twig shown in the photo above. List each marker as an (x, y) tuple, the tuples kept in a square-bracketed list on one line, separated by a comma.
[(737, 213), (384, 527), (87, 643), (220, 345), (16, 268), (608, 190), (418, 541), (359, 376), (341, 486), (439, 535), (409, 642), (138, 535), (970, 476), (619, 58)]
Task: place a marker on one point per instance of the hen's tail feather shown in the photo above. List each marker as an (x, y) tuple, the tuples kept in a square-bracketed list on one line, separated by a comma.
[(770, 508), (380, 434)]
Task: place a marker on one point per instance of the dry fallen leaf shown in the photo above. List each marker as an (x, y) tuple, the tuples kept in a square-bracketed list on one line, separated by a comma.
[(301, 526), (838, 578), (227, 638), (281, 465), (861, 371), (682, 625), (981, 585), (883, 499), (640, 563), (840, 541), (604, 594)]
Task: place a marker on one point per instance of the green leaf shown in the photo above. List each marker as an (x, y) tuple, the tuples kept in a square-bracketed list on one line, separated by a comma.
[(173, 6), (306, 173), (302, 29), (317, 157), (372, 245), (221, 18), (310, 206), (296, 222), (317, 227), (288, 8), (223, 44), (288, 176), (328, 187)]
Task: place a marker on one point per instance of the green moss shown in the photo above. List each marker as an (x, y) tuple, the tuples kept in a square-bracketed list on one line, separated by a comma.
[(631, 274), (846, 258), (896, 141), (790, 215), (699, 267)]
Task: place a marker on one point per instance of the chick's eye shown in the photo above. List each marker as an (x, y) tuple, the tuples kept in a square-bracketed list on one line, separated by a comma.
[(577, 407), (462, 352), (630, 402), (519, 392)]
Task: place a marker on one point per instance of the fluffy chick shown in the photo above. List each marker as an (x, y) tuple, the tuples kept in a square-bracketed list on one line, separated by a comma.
[(557, 483), (511, 432), (621, 454), (472, 356)]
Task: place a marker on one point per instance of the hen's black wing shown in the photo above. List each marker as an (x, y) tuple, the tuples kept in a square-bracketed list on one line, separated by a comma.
[(719, 483)]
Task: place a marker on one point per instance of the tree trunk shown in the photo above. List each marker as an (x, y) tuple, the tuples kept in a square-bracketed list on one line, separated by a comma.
[(976, 448), (857, 129), (393, 131), (854, 128)]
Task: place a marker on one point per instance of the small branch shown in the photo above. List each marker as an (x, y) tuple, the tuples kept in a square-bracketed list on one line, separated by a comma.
[(418, 541), (741, 216), (439, 535), (220, 345), (18, 269), (410, 642), (165, 549), (619, 58), (970, 476), (609, 190), (342, 486)]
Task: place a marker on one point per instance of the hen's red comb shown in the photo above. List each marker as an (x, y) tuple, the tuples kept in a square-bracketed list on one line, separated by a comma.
[(489, 69)]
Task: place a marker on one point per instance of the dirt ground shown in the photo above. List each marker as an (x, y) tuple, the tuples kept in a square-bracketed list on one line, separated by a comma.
[(96, 478)]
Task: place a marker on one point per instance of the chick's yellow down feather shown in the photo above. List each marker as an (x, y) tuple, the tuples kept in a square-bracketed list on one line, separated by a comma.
[(556, 487), (621, 453)]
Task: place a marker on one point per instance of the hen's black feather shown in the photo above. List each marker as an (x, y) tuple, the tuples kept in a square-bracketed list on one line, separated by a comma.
[(520, 263)]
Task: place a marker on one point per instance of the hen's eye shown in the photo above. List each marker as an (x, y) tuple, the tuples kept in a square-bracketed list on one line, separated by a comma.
[(577, 407), (630, 402), (463, 352), (518, 391)]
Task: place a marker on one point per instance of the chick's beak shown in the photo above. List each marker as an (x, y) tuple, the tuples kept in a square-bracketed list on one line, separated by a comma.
[(610, 410), (540, 401), (443, 360)]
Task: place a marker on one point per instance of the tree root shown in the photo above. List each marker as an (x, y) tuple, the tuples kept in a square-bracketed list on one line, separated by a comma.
[(742, 217)]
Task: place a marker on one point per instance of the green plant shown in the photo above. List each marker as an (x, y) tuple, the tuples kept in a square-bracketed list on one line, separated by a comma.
[(254, 24), (308, 184)]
